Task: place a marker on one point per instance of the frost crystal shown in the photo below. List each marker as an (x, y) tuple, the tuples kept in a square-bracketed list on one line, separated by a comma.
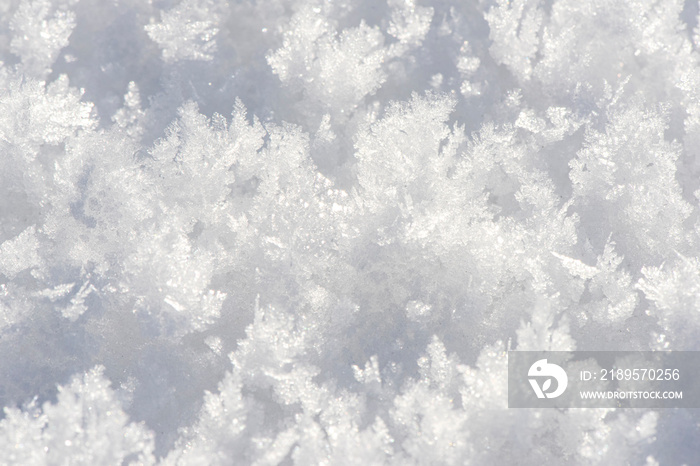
[(20, 253), (307, 232), (86, 425), (186, 32), (315, 59), (41, 28)]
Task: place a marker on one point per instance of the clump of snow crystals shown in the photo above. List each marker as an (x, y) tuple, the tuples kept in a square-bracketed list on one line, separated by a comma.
[(307, 232)]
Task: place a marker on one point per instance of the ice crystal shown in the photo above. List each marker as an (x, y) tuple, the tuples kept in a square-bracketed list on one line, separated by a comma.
[(86, 426), (186, 32), (307, 232)]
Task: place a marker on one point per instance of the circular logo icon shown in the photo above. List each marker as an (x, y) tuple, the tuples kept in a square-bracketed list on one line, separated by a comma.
[(545, 372)]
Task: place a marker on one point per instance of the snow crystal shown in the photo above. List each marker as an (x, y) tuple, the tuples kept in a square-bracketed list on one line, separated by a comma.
[(308, 232)]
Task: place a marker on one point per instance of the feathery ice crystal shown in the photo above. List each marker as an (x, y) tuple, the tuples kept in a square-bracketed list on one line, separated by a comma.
[(307, 232)]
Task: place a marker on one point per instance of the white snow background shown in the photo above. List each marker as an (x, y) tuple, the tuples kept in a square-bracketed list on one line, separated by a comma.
[(307, 232)]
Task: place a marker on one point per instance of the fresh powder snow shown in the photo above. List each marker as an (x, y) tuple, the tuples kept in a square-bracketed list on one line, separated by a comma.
[(308, 231)]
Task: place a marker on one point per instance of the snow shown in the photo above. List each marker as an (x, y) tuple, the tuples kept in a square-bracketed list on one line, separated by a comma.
[(308, 232)]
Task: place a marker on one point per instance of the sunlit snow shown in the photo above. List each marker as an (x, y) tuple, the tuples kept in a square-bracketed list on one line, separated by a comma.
[(307, 232)]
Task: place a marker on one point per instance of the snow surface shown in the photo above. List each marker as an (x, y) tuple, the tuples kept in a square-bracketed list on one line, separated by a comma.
[(307, 232)]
